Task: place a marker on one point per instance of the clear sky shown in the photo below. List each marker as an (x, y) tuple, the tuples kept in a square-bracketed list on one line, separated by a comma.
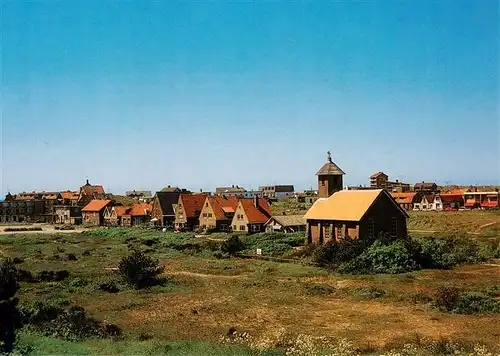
[(145, 94)]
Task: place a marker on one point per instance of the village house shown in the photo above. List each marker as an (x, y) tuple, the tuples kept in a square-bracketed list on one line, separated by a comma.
[(277, 191), (230, 191), (250, 215), (453, 199), (483, 200), (93, 212), (19, 211), (162, 212), (285, 223), (426, 188), (170, 189), (330, 178), (407, 200), (429, 202), (69, 197), (113, 215), (355, 214), (140, 195), (380, 180), (89, 192), (306, 197), (138, 214), (218, 212), (67, 214), (188, 210)]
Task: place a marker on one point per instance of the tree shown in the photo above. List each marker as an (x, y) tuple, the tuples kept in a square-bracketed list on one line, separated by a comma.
[(10, 317), (140, 270)]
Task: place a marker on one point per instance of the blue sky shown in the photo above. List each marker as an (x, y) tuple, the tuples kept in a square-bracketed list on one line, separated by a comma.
[(200, 94)]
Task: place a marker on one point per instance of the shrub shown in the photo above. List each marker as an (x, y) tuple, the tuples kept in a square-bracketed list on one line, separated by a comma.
[(379, 258), (446, 298), (232, 245), (10, 318), (52, 276), (71, 323), (140, 270), (77, 282), (109, 286), (319, 289), (364, 292), (71, 257), (476, 303), (334, 253)]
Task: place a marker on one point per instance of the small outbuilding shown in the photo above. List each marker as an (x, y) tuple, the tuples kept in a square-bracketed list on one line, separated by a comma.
[(285, 223)]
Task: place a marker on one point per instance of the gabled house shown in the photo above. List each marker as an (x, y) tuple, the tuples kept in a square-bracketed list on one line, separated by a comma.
[(407, 200), (67, 214), (355, 214), (452, 200), (230, 191), (137, 214), (251, 215), (285, 223), (69, 197), (429, 202), (277, 191), (89, 192), (93, 212), (426, 187), (188, 211), (217, 213), (162, 213), (113, 215)]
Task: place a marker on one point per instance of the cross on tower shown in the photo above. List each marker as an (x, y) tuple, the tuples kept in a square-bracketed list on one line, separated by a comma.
[(329, 155)]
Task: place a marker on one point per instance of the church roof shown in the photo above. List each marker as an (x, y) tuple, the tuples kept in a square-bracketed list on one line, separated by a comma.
[(330, 168)]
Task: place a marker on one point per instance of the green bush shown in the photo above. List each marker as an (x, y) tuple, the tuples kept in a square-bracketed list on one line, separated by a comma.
[(10, 318), (446, 298), (452, 299), (367, 293), (333, 254), (379, 258), (232, 246), (319, 289), (275, 244), (140, 270), (71, 323)]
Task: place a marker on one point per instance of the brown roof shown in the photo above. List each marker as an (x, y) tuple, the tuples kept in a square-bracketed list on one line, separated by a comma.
[(289, 220), (256, 214), (233, 189), (375, 175), (96, 205), (140, 209), (430, 198), (346, 205), (121, 210), (329, 168), (403, 198), (92, 189), (193, 204), (425, 185), (221, 204)]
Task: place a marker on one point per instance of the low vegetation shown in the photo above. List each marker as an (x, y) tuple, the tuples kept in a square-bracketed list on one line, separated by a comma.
[(138, 291)]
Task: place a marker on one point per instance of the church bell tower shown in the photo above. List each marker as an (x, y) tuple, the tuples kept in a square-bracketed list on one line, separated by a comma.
[(330, 178)]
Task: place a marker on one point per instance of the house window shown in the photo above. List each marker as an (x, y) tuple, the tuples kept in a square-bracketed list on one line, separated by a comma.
[(329, 231), (394, 227), (204, 215), (209, 215), (204, 227), (242, 228), (255, 228), (371, 228), (339, 232), (235, 228), (223, 227)]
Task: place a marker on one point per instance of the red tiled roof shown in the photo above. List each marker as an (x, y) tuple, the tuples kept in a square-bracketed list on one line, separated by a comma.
[(254, 214), (121, 210), (403, 198), (96, 205), (69, 195), (450, 197), (458, 191), (220, 203), (430, 198), (193, 204), (140, 209)]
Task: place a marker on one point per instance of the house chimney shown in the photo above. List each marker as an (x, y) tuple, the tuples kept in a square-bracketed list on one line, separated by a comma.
[(88, 182), (232, 186), (256, 201)]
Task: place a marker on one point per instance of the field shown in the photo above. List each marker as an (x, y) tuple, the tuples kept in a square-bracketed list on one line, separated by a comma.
[(206, 297)]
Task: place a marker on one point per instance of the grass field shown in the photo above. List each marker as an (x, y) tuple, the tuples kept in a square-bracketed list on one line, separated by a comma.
[(205, 297)]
